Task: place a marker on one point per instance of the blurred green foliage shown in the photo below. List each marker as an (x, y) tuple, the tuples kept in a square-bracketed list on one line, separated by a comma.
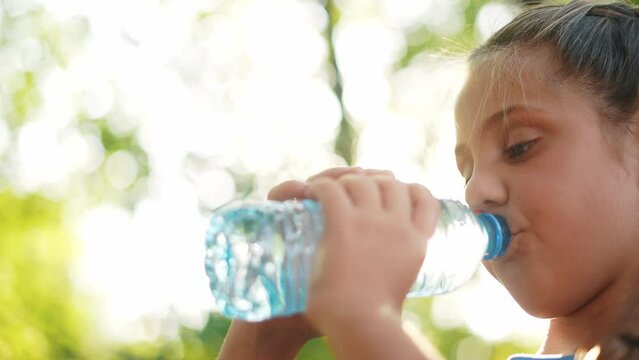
[(24, 97), (422, 39), (41, 316), (191, 344)]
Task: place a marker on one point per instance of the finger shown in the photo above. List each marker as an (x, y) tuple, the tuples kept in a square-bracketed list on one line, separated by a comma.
[(333, 199), (395, 196), (425, 209), (287, 190), (337, 172), (373, 172), (362, 190)]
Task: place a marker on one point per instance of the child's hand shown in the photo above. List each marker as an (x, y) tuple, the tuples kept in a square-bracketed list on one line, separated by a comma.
[(374, 243), (376, 230)]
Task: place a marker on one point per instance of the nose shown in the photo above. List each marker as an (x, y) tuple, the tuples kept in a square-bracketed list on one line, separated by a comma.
[(485, 191)]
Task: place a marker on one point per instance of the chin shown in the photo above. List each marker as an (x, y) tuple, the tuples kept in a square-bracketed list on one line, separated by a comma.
[(547, 306), (541, 313)]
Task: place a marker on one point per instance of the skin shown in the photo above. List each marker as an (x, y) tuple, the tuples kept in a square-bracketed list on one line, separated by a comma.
[(364, 210), (372, 248), (570, 198)]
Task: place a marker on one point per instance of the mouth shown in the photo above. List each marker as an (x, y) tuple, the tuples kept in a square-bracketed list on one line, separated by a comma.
[(513, 244)]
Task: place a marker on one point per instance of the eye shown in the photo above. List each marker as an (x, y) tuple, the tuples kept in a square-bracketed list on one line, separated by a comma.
[(517, 151)]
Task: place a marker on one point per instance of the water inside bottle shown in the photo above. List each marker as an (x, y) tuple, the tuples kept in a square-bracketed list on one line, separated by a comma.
[(452, 253), (258, 261)]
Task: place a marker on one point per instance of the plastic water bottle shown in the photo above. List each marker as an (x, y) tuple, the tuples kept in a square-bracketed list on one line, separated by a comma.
[(259, 255)]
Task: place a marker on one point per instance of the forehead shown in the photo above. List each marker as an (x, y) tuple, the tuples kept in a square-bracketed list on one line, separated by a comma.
[(523, 78)]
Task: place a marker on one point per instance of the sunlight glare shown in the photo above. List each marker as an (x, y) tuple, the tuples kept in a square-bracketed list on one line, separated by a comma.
[(5, 137), (59, 107), (39, 158), (81, 152), (492, 17), (273, 47), (30, 54), (406, 13), (121, 169), (473, 348), (445, 17), (16, 8), (215, 187), (98, 100), (366, 47)]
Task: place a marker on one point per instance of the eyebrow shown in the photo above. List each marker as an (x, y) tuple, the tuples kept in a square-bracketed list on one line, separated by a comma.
[(490, 122)]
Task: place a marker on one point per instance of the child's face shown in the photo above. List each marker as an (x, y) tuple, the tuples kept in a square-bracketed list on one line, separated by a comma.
[(534, 151)]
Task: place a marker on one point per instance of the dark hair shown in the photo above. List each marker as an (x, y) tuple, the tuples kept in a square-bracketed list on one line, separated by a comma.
[(596, 45)]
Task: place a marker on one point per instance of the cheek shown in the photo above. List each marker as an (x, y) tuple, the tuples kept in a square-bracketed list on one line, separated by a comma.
[(561, 263), (565, 264), (566, 212), (551, 190)]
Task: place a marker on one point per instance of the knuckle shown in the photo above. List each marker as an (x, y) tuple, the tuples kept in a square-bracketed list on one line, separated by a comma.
[(350, 179), (380, 172), (322, 183), (404, 232), (335, 173), (386, 181), (328, 187)]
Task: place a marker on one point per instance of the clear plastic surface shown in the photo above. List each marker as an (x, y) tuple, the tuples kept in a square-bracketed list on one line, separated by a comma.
[(259, 255)]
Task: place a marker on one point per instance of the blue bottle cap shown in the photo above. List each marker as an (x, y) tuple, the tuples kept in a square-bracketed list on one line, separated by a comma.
[(498, 235)]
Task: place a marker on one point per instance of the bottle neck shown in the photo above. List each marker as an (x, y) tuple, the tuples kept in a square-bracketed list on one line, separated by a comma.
[(498, 234)]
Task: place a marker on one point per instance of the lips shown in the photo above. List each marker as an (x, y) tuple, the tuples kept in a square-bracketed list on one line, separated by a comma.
[(514, 239)]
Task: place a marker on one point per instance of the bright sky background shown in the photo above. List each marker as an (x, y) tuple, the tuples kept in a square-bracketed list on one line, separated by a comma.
[(245, 88)]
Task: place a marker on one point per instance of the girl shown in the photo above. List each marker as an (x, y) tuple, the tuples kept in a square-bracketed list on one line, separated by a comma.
[(547, 138)]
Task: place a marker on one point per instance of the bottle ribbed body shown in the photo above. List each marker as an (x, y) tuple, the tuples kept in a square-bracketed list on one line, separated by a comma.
[(259, 255)]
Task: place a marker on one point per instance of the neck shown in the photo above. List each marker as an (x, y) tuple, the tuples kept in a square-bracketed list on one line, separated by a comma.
[(596, 321)]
